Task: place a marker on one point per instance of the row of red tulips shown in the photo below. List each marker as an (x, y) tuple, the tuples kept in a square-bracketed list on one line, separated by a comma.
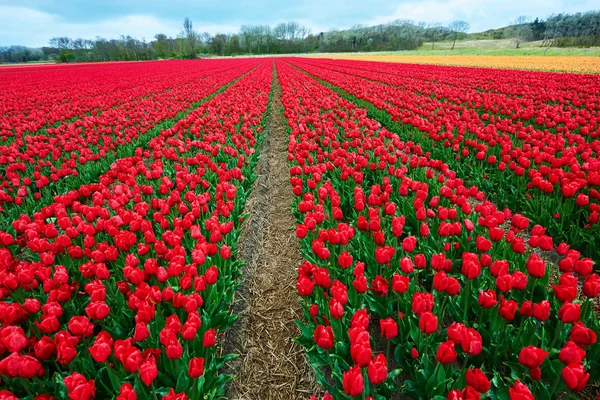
[(550, 151), (414, 282), (33, 99), (39, 165), (122, 287), (560, 96)]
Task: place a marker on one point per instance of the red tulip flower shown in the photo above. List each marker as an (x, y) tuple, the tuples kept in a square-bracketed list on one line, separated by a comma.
[(477, 379), (323, 337), (377, 369), (575, 377), (446, 354), (196, 367), (428, 323), (353, 382), (389, 328)]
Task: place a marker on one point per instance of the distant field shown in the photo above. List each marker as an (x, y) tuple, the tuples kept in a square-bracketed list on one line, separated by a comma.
[(503, 47), (581, 64), (484, 53), (28, 64), (490, 53)]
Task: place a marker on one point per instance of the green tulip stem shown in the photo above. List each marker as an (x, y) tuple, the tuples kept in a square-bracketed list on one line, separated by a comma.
[(443, 307), (555, 385), (153, 388), (194, 388), (466, 305), (556, 334), (365, 378), (480, 317)]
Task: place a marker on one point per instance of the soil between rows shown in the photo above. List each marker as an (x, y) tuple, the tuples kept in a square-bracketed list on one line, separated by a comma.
[(270, 365)]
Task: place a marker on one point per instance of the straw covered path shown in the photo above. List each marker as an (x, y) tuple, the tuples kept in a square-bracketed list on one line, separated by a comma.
[(270, 365)]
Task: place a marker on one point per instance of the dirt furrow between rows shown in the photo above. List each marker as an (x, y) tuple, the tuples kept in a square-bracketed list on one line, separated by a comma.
[(270, 365)]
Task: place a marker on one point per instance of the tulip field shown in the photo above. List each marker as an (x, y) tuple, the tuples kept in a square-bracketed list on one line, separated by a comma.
[(581, 64), (448, 219)]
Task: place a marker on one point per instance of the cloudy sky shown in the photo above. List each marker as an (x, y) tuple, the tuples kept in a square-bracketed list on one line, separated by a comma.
[(34, 22)]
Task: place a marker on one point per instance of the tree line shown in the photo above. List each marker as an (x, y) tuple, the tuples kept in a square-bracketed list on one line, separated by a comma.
[(579, 29), (558, 30), (284, 38)]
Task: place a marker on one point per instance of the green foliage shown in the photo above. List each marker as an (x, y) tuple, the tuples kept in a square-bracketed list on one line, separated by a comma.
[(67, 57)]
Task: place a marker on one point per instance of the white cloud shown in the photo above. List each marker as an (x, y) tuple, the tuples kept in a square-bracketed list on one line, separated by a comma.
[(481, 14), (429, 11), (29, 27)]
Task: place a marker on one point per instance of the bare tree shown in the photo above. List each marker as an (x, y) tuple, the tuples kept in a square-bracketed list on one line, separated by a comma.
[(204, 37), (264, 35), (191, 37), (248, 37), (458, 28), (62, 43), (161, 45), (522, 31), (218, 43), (433, 31), (280, 31)]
